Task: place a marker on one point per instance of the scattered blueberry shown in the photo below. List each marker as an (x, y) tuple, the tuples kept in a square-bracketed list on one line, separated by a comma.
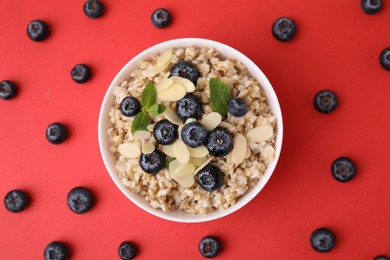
[(237, 107), (325, 101), (16, 201), (283, 29), (165, 132), (189, 107), (127, 250), (37, 30), (209, 247), (80, 200), (81, 73), (343, 169), (93, 9), (152, 163), (130, 106), (371, 6), (161, 18), (194, 134), (185, 69), (7, 89), (322, 240), (210, 178), (381, 257), (384, 58), (56, 251), (219, 142), (56, 133)]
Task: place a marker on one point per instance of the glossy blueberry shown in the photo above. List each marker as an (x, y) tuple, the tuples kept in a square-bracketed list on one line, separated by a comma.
[(210, 178), (165, 132), (209, 246), (325, 101), (80, 73), (93, 9), (37, 30), (127, 250), (343, 169), (283, 29), (7, 89), (56, 133), (384, 58), (56, 251), (130, 106), (219, 142), (189, 107), (161, 18), (185, 69), (371, 6), (381, 257), (80, 200), (16, 201), (152, 163), (322, 240), (237, 107), (194, 134)]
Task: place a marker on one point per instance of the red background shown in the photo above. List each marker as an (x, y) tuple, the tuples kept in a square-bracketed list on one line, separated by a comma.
[(336, 46)]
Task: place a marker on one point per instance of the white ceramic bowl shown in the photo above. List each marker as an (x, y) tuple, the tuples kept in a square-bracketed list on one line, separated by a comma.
[(104, 124)]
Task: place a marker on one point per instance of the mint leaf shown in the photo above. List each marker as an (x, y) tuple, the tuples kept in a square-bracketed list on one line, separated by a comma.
[(140, 122), (148, 96), (156, 109), (161, 108), (219, 95)]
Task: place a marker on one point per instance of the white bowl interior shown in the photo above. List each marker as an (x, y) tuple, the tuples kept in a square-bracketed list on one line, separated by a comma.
[(104, 124)]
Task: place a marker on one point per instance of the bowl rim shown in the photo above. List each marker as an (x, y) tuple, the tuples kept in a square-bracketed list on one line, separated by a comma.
[(254, 71)]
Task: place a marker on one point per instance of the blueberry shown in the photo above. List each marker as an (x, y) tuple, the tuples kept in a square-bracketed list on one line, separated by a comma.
[(325, 101), (127, 250), (381, 257), (152, 163), (80, 73), (56, 251), (219, 142), (371, 6), (185, 69), (93, 9), (130, 106), (165, 132), (7, 89), (384, 58), (16, 201), (210, 178), (189, 107), (161, 18), (80, 200), (343, 169), (37, 30), (283, 29), (237, 107), (56, 133), (194, 134), (209, 246), (322, 240)]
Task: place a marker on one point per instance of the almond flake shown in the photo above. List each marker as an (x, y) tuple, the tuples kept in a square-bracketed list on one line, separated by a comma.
[(198, 152), (173, 166), (181, 151), (211, 120), (129, 150), (225, 125), (239, 149), (172, 116), (168, 150), (189, 86), (197, 161), (142, 134), (164, 58), (248, 152), (186, 182), (164, 84), (202, 165), (260, 133), (148, 148), (184, 170), (157, 69), (229, 159), (174, 93)]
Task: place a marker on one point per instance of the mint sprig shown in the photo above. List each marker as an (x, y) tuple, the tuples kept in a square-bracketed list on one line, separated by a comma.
[(148, 96), (219, 96), (157, 109), (140, 122)]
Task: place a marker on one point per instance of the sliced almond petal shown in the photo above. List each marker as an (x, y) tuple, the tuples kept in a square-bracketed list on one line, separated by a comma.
[(142, 134), (198, 152), (190, 87), (181, 151), (148, 148), (186, 182), (260, 133), (157, 69), (164, 84), (239, 149), (197, 161), (173, 166), (173, 93), (203, 165), (248, 152), (164, 58), (172, 116), (225, 125), (129, 150), (190, 120), (168, 150), (211, 120), (184, 170)]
